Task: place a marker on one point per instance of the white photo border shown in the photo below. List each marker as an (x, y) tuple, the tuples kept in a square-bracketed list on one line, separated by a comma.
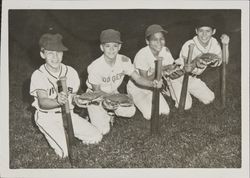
[(242, 172)]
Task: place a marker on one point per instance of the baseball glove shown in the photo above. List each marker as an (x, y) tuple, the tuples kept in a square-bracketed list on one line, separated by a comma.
[(209, 58), (86, 98), (173, 71), (113, 101)]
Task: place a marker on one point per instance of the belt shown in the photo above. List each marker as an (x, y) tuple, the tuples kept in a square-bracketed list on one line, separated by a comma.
[(56, 112)]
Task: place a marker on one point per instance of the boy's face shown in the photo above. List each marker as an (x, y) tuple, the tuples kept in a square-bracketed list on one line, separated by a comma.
[(156, 42), (110, 50), (53, 58), (204, 34)]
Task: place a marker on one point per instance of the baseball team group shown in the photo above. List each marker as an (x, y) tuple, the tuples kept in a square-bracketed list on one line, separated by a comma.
[(106, 74)]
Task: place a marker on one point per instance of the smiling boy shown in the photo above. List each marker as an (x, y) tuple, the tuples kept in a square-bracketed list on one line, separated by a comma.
[(48, 100), (144, 64), (204, 43)]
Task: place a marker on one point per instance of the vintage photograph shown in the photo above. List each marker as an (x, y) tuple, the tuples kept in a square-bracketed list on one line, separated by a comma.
[(109, 88)]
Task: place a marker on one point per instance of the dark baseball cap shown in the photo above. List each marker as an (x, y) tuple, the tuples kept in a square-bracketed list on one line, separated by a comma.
[(205, 21), (110, 35), (52, 42), (155, 28)]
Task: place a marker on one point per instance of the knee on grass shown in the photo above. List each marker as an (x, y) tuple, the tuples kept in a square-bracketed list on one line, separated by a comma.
[(188, 105), (209, 99), (94, 140)]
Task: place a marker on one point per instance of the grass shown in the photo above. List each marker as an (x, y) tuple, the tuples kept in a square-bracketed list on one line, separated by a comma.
[(204, 137)]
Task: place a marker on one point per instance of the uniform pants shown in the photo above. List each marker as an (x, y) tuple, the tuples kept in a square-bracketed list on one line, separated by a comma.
[(100, 118), (51, 125), (143, 100), (196, 87)]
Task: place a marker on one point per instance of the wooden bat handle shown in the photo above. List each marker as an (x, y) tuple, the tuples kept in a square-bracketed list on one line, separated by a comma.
[(67, 121), (156, 98), (223, 76), (158, 71), (183, 94), (190, 53), (65, 90)]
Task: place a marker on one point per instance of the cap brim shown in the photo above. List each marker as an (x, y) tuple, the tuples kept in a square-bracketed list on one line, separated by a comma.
[(120, 42), (164, 31), (56, 48)]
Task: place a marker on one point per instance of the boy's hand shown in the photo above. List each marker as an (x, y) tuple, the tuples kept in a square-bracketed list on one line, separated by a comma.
[(62, 98), (168, 69), (200, 63), (157, 84), (225, 39), (189, 67), (216, 63)]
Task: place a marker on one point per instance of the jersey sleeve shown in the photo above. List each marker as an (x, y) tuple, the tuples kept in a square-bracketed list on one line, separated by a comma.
[(217, 48), (38, 82), (93, 76), (140, 62), (183, 55), (73, 80), (128, 67)]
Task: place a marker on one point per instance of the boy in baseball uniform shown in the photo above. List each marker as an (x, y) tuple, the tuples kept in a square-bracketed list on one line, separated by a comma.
[(204, 43), (144, 64), (106, 74), (48, 101)]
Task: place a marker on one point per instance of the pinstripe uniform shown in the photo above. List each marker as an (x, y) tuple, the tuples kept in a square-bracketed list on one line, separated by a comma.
[(50, 121)]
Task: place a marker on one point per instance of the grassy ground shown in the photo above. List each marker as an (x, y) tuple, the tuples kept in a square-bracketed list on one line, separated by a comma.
[(204, 137)]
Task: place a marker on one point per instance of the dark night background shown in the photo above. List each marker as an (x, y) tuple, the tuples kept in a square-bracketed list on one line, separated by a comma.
[(81, 29)]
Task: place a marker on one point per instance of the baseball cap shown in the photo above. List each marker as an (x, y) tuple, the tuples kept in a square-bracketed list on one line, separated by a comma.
[(205, 21), (152, 29), (52, 42), (110, 35)]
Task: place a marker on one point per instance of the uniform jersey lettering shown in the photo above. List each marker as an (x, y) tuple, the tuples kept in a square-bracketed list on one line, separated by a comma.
[(113, 78), (106, 79), (70, 89), (51, 91)]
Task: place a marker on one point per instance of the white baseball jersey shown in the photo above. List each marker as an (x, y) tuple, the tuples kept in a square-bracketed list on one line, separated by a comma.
[(144, 59), (50, 122), (142, 98), (43, 79), (109, 77), (212, 47)]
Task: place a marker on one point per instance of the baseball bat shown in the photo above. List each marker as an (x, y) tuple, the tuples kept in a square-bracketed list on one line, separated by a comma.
[(67, 120), (183, 95), (155, 101), (223, 76)]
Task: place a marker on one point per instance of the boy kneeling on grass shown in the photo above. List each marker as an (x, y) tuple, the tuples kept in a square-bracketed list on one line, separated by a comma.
[(48, 101), (205, 47)]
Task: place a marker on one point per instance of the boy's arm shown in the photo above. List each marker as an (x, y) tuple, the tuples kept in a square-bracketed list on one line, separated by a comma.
[(225, 41), (144, 82), (49, 103), (144, 74)]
